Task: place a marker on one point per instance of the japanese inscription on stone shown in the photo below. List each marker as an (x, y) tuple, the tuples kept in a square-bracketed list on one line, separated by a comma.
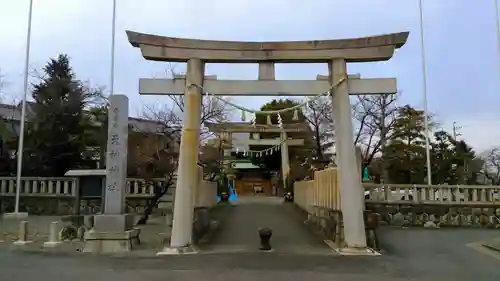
[(116, 160)]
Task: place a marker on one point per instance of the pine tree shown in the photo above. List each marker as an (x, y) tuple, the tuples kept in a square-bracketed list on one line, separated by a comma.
[(55, 142), (406, 151)]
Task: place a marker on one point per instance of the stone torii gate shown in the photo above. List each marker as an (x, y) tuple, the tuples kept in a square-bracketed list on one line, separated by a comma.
[(284, 141), (336, 53)]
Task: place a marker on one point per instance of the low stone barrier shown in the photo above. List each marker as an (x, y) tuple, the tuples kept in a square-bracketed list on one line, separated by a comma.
[(438, 215)]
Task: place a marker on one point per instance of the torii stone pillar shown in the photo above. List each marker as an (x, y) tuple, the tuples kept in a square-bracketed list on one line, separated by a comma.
[(187, 180), (350, 184)]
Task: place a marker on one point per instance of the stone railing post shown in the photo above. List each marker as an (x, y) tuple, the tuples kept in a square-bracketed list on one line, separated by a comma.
[(75, 192)]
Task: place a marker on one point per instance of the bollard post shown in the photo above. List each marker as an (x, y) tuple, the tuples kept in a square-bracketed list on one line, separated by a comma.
[(23, 234), (53, 235), (265, 237)]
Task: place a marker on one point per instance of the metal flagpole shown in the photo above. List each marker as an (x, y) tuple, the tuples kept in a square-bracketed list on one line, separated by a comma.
[(497, 23), (424, 86), (112, 70), (23, 110)]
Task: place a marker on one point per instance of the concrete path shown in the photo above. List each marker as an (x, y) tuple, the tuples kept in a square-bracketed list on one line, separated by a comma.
[(238, 231), (413, 254), (232, 255)]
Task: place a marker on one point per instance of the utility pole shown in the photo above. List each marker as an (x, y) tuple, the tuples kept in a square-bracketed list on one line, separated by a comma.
[(465, 166), (455, 129)]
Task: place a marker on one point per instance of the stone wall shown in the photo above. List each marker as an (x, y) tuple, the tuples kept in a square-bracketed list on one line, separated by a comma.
[(54, 206), (437, 215), (39, 205)]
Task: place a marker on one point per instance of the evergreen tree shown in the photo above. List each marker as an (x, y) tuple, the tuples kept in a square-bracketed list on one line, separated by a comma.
[(405, 152), (55, 133)]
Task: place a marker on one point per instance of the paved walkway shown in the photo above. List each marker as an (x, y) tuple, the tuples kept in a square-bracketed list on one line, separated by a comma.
[(412, 254), (232, 255), (238, 231)]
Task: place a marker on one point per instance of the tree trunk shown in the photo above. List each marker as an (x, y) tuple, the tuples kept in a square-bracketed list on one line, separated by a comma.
[(153, 202), (319, 149)]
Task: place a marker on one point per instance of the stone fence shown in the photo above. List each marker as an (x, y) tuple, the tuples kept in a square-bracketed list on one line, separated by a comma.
[(58, 196), (405, 204)]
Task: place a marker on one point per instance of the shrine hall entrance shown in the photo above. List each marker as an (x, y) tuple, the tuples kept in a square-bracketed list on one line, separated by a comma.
[(238, 230), (249, 187)]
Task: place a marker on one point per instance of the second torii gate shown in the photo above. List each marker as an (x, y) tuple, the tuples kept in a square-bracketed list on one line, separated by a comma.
[(336, 53), (284, 141)]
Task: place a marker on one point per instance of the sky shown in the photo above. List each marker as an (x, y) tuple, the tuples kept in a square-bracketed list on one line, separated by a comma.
[(462, 58)]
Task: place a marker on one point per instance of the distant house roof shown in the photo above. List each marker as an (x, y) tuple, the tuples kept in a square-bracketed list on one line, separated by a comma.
[(13, 112)]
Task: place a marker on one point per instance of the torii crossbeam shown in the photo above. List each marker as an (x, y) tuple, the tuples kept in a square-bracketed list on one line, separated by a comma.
[(357, 86)]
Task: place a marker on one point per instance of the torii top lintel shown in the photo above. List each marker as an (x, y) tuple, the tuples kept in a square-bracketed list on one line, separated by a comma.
[(364, 49)]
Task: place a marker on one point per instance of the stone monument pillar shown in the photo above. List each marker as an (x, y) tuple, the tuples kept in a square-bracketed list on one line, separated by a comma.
[(113, 231), (182, 227), (350, 183), (285, 160)]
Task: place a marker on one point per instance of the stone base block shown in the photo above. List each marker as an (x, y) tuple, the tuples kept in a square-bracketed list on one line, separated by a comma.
[(177, 251), (52, 244), (114, 223), (16, 216), (22, 242), (111, 242), (357, 252)]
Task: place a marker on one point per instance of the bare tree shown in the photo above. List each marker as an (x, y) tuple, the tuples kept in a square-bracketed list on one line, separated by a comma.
[(155, 155), (376, 116), (212, 109), (318, 114), (170, 120), (492, 166)]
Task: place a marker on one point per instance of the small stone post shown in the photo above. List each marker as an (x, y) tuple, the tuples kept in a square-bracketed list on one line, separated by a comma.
[(53, 235), (23, 234)]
